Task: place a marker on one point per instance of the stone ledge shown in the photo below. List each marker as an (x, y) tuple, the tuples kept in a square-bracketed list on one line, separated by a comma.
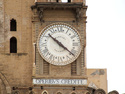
[(14, 54), (58, 5)]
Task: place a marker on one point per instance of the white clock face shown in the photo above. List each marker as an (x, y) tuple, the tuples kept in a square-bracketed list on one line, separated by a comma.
[(59, 44)]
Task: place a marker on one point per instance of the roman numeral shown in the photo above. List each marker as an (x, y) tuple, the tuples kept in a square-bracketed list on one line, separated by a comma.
[(60, 59), (73, 51), (67, 31), (43, 44), (46, 36), (45, 51), (75, 44), (73, 36), (59, 29), (67, 57), (51, 57), (52, 30)]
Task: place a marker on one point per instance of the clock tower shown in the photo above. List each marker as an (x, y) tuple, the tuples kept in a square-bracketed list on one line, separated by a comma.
[(43, 49), (59, 38)]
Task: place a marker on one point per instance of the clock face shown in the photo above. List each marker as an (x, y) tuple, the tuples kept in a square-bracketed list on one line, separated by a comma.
[(59, 44)]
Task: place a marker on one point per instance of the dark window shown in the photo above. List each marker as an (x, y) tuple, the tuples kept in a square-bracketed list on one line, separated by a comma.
[(57, 0), (59, 93), (45, 92), (73, 93), (69, 1), (13, 45), (13, 25)]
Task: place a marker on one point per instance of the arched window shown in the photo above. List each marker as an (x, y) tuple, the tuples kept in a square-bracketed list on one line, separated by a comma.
[(44, 92), (13, 25), (59, 93), (13, 45), (73, 92)]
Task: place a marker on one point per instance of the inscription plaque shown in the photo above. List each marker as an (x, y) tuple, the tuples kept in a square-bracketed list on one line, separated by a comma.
[(60, 81)]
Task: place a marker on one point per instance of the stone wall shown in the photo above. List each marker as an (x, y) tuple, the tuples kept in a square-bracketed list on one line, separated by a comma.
[(1, 26), (16, 67), (65, 16), (97, 78)]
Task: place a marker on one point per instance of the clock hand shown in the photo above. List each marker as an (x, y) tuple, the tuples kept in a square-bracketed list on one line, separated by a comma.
[(60, 44)]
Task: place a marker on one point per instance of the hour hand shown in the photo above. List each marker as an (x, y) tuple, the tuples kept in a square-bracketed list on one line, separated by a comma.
[(60, 44)]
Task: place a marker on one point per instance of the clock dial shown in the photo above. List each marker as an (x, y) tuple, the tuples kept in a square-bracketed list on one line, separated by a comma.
[(59, 44)]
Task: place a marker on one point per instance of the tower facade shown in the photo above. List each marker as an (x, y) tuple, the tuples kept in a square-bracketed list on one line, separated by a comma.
[(59, 70), (43, 47)]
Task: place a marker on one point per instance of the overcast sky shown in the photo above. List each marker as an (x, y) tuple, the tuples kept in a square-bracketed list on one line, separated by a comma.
[(106, 40)]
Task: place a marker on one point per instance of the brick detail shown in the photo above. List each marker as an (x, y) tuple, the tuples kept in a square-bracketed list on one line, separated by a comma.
[(37, 53), (45, 67), (74, 68)]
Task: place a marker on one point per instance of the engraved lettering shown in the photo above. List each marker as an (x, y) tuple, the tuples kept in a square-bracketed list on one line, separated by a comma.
[(61, 81)]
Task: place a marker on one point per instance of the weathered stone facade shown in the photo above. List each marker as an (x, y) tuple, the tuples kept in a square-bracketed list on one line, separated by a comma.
[(18, 69)]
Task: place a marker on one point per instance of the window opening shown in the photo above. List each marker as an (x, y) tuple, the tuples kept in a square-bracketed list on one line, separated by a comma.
[(69, 1), (44, 92), (13, 25), (59, 93), (73, 93), (13, 45)]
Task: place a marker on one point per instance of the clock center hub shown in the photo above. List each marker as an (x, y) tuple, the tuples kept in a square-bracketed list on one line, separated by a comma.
[(62, 40)]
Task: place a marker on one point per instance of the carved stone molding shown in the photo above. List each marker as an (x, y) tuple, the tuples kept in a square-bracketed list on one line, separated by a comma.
[(79, 8), (113, 92), (40, 13), (99, 91), (78, 13)]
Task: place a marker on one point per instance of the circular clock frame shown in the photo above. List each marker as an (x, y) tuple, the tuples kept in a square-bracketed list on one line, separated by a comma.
[(59, 44)]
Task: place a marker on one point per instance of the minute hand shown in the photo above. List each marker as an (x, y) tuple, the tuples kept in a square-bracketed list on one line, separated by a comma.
[(60, 44)]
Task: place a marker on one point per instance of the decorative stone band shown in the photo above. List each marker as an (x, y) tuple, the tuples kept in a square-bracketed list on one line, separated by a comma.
[(60, 81)]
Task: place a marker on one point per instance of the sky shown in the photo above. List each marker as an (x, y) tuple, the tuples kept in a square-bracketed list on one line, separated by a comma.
[(106, 40)]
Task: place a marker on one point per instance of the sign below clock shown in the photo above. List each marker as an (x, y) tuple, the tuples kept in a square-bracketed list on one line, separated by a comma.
[(60, 81)]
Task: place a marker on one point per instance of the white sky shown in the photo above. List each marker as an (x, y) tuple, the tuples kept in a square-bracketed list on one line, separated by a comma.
[(106, 40)]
